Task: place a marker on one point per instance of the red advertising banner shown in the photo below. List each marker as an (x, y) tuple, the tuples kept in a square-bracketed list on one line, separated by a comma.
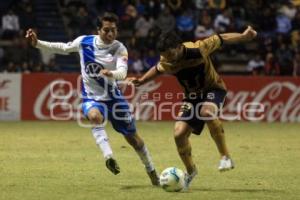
[(44, 95), (58, 97), (10, 94)]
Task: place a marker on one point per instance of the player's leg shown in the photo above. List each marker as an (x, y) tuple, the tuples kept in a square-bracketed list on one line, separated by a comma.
[(182, 132), (209, 111), (181, 135), (141, 149), (122, 121), (92, 110), (186, 124)]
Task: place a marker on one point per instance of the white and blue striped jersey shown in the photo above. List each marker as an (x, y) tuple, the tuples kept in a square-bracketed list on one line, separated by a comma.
[(94, 56)]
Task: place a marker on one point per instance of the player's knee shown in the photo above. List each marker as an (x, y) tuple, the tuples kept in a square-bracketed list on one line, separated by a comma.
[(208, 113), (95, 118), (179, 133)]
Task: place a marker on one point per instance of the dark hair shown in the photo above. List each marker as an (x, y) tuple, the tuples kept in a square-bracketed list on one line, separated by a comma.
[(107, 16), (168, 40)]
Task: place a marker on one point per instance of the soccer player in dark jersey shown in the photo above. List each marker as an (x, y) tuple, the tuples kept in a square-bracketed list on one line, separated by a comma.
[(204, 90)]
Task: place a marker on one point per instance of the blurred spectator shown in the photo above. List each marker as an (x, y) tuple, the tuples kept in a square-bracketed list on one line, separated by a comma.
[(284, 25), (11, 68), (81, 23), (25, 68), (285, 59), (296, 21), (152, 37), (175, 5), (10, 25), (38, 67), (140, 7), (137, 64), (17, 53), (27, 17), (142, 26), (127, 21), (217, 5), (296, 65), (85, 25), (200, 4), (153, 8), (256, 65), (271, 65), (267, 46), (204, 28), (166, 21), (222, 22), (288, 9), (267, 22), (295, 40), (51, 66), (185, 25), (238, 14), (150, 59)]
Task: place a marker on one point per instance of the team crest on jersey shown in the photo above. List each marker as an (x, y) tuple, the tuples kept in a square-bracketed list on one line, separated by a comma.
[(93, 69)]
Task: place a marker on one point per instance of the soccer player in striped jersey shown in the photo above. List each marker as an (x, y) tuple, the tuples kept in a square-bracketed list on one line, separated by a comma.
[(205, 91), (103, 60)]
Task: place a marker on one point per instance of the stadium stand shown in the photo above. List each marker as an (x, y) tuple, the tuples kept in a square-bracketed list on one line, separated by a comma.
[(278, 24)]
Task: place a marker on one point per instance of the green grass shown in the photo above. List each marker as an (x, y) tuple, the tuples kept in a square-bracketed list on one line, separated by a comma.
[(59, 160)]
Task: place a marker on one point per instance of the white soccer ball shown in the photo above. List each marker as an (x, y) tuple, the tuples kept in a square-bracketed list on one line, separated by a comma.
[(172, 179)]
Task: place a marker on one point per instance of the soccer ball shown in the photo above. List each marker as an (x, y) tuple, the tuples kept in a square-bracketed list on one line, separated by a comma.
[(172, 179)]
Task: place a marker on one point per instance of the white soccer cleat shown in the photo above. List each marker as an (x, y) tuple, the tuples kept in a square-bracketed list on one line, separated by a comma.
[(225, 164), (188, 179)]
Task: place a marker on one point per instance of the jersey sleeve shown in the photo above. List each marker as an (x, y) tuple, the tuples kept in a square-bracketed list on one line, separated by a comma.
[(60, 47), (121, 65), (209, 45), (163, 67)]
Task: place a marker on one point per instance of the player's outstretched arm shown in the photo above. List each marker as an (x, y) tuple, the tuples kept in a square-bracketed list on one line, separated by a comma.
[(149, 75), (232, 38), (54, 47)]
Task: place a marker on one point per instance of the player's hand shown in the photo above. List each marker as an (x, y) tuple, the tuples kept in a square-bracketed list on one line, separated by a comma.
[(106, 72), (135, 81), (249, 33), (31, 37)]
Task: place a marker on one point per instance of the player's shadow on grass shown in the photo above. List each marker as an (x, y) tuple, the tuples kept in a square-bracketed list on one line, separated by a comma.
[(238, 190), (134, 187)]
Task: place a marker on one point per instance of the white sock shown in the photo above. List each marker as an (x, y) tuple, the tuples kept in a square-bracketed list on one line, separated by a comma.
[(146, 158), (102, 141)]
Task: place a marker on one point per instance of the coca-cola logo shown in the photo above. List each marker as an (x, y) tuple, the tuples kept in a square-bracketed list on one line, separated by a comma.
[(52, 97), (281, 102)]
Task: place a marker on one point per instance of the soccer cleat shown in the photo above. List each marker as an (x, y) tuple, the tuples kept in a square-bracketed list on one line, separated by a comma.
[(112, 165), (153, 177), (225, 164), (188, 178)]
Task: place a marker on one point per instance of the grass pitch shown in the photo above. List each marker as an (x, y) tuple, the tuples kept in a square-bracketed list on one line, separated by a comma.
[(59, 160)]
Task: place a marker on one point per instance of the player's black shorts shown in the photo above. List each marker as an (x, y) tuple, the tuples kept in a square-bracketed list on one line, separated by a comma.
[(190, 109)]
